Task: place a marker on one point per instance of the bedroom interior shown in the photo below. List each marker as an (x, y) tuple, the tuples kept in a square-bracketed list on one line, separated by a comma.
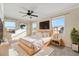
[(38, 29)]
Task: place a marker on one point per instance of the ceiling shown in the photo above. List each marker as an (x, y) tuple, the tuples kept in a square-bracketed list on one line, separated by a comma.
[(43, 10)]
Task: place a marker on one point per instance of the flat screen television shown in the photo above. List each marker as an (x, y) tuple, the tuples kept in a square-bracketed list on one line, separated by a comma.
[(44, 25)]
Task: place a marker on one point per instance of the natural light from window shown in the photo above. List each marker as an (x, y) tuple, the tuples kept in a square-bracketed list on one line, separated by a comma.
[(9, 25), (34, 25), (58, 24)]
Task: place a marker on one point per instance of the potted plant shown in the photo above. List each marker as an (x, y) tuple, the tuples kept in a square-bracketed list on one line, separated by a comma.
[(75, 39), (22, 26)]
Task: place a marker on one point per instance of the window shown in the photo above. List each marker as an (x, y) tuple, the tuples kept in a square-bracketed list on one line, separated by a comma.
[(34, 25), (58, 24), (9, 25)]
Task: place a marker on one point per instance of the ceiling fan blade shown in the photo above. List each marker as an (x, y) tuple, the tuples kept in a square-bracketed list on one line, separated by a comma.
[(35, 15), (29, 11), (32, 11), (22, 12)]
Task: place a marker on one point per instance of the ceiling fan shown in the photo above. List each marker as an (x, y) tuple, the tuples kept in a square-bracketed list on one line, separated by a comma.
[(29, 13)]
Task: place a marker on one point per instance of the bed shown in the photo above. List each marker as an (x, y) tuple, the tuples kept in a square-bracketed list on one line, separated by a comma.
[(33, 44)]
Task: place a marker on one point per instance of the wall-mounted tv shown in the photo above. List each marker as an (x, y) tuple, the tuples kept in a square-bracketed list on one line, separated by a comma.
[(44, 25)]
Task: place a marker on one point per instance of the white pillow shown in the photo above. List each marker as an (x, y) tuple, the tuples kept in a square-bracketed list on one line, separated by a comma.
[(45, 34), (39, 34)]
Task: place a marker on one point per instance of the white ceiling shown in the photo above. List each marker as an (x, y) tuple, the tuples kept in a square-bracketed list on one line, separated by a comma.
[(42, 9)]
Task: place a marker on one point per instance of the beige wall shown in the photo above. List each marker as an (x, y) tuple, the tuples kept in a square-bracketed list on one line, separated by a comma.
[(29, 31), (71, 20)]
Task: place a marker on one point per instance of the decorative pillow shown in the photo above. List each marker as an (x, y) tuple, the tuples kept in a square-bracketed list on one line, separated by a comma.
[(39, 34), (45, 34)]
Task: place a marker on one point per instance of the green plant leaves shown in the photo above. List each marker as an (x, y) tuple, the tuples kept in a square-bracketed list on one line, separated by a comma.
[(75, 36)]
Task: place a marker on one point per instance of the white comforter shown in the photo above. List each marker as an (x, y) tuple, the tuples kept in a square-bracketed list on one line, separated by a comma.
[(36, 41)]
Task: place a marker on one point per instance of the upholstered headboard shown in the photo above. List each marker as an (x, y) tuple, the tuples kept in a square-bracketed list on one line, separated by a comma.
[(43, 33)]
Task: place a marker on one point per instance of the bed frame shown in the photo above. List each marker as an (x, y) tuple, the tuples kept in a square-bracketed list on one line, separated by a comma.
[(32, 50), (46, 30)]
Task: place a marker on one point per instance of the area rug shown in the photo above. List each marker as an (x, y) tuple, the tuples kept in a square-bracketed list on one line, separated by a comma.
[(13, 52), (18, 51), (45, 52)]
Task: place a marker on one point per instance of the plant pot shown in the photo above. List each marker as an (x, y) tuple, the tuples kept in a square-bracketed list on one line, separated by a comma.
[(75, 47)]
